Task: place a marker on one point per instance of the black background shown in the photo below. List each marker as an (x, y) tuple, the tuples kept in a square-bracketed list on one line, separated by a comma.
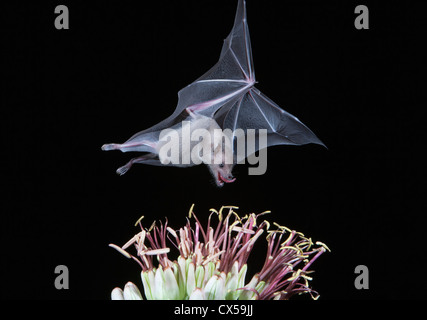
[(118, 69)]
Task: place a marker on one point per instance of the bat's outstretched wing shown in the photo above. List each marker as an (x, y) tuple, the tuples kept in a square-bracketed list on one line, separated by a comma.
[(253, 110), (226, 81), (250, 109), (227, 93)]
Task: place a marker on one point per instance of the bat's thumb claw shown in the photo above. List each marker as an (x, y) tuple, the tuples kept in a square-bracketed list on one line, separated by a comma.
[(108, 147)]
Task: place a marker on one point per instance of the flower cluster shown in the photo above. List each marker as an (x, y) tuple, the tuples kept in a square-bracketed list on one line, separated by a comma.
[(213, 261)]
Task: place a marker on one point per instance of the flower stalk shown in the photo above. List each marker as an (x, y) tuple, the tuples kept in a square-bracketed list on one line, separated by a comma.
[(212, 261)]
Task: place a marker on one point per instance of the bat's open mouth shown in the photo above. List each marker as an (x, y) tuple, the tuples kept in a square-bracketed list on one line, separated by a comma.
[(222, 179)]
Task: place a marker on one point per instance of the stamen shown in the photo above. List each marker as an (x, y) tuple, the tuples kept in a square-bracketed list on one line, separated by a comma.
[(139, 220), (131, 241), (240, 229), (156, 251), (292, 248), (254, 238), (123, 252), (323, 245), (152, 226), (212, 257), (221, 253), (190, 211), (172, 232)]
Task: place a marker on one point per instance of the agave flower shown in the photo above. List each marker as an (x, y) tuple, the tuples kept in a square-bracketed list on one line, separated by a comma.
[(212, 261)]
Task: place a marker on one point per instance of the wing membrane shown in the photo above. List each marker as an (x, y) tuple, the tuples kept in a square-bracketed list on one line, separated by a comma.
[(254, 110), (226, 81)]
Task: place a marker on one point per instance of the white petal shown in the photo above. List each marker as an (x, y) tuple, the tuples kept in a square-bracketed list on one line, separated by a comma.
[(197, 294), (231, 286), (148, 283), (215, 288), (191, 279), (180, 280), (131, 292), (200, 276), (242, 276), (157, 288), (249, 294), (171, 289), (209, 271), (117, 294)]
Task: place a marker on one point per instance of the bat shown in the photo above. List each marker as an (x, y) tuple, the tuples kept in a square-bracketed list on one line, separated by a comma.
[(224, 98)]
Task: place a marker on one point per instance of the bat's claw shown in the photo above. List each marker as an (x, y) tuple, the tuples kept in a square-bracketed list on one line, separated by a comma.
[(122, 170)]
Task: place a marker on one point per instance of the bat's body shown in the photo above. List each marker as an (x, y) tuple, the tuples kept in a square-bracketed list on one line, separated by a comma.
[(223, 98)]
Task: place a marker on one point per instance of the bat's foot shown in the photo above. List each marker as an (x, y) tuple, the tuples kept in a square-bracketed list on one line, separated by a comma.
[(122, 170)]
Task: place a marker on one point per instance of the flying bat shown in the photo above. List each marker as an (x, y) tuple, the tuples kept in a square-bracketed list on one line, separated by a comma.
[(224, 98)]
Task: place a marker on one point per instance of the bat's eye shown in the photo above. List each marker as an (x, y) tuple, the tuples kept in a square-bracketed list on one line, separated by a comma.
[(221, 165)]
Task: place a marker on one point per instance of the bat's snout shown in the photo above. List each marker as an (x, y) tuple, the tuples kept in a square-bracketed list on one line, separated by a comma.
[(226, 178), (230, 178)]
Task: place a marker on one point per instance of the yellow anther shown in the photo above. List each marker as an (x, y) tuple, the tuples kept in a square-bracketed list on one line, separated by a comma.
[(190, 211), (139, 220), (292, 248), (323, 245), (152, 226)]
